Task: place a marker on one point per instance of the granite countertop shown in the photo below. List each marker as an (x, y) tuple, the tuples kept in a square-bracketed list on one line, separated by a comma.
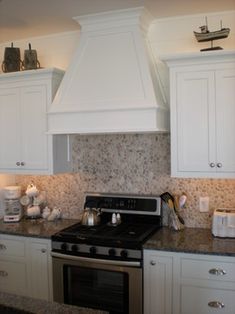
[(20, 304), (190, 240), (40, 228)]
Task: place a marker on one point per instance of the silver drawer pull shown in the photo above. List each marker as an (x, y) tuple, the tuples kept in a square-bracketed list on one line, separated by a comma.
[(152, 263), (3, 273), (43, 250), (3, 247), (217, 271), (216, 304)]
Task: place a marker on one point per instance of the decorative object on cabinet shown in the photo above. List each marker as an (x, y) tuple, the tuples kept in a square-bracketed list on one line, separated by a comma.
[(26, 148), (30, 61), (12, 61), (206, 35), (202, 98)]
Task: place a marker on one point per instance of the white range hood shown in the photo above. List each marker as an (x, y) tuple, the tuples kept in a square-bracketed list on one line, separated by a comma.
[(111, 85)]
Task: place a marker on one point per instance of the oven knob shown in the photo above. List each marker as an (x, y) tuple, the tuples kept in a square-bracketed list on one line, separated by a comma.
[(112, 252), (74, 247), (64, 246), (124, 253), (93, 250)]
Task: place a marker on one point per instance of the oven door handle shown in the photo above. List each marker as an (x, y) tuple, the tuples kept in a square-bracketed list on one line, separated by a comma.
[(94, 260)]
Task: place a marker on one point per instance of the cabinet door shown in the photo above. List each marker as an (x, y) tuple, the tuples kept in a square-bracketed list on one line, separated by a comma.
[(40, 270), (193, 120), (9, 128), (225, 119), (13, 277), (34, 127), (158, 284)]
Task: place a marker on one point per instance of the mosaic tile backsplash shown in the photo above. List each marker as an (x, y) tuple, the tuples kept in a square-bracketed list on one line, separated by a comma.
[(128, 163)]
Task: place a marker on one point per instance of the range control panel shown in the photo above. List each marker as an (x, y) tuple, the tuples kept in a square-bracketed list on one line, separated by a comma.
[(147, 205)]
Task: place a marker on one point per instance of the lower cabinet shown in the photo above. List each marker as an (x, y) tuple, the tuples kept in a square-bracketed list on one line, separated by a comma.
[(158, 272), (181, 283), (25, 266)]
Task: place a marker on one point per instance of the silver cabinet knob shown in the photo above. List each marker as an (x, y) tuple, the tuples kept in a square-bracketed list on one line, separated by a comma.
[(22, 163), (152, 263), (17, 163), (43, 250), (217, 271), (216, 304), (212, 164), (219, 165)]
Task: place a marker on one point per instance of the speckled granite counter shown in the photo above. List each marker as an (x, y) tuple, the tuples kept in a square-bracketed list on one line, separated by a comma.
[(191, 240), (40, 228), (30, 305)]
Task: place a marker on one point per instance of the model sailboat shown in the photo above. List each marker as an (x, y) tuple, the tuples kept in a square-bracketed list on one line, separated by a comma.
[(206, 35)]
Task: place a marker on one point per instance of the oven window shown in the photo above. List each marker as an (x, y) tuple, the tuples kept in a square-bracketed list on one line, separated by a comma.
[(96, 288)]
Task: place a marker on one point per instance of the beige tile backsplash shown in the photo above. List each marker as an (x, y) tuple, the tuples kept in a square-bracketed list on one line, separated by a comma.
[(128, 163)]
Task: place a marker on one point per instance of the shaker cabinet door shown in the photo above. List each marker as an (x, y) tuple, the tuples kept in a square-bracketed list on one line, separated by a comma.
[(195, 117), (34, 127), (225, 120), (9, 128)]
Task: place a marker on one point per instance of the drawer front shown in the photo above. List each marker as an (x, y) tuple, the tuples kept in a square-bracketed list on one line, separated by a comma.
[(13, 277), (12, 247), (195, 300), (209, 270)]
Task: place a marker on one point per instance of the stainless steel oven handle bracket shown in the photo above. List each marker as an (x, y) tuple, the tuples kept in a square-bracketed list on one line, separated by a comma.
[(94, 260)]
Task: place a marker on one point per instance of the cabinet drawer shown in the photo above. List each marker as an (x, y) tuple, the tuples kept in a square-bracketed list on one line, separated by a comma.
[(209, 270), (12, 247), (13, 277), (195, 300)]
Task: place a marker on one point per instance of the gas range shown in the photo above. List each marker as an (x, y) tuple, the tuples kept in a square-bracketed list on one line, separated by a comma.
[(140, 218)]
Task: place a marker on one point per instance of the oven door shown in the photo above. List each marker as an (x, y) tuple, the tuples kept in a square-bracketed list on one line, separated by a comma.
[(113, 286)]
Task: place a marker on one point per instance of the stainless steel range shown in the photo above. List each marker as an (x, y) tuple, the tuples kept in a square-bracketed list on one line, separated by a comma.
[(100, 266)]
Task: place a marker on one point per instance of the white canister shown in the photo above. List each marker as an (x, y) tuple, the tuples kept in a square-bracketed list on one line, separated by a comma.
[(12, 192)]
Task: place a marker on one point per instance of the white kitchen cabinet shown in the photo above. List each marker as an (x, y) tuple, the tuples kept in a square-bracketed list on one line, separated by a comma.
[(202, 97), (25, 266), (158, 283), (13, 265), (40, 261), (190, 283), (25, 98)]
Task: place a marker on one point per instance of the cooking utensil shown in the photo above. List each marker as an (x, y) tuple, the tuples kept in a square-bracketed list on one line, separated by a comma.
[(182, 200), (167, 197)]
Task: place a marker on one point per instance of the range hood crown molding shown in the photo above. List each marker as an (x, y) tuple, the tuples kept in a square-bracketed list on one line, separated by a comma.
[(111, 85), (137, 16)]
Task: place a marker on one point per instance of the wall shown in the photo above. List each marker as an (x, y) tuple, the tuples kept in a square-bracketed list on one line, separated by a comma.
[(131, 163)]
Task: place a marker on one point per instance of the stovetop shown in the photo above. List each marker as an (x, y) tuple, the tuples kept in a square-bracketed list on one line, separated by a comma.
[(126, 234), (140, 218)]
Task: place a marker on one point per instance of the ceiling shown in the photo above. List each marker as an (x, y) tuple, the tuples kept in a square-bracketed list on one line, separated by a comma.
[(29, 18)]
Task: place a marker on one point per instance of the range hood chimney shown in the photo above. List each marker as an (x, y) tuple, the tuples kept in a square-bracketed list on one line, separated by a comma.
[(111, 85)]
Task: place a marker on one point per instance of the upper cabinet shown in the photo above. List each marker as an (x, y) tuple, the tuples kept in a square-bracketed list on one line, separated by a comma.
[(202, 97), (25, 98)]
